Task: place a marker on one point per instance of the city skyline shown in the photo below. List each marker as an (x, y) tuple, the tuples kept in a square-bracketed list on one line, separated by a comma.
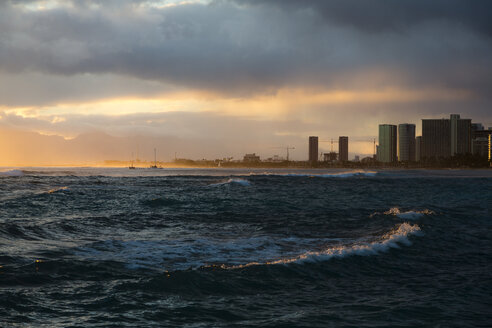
[(84, 81), (388, 148)]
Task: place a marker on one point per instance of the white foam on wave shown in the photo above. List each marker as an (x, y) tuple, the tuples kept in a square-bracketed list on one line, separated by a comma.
[(242, 182), (349, 174), (180, 254), (236, 253), (58, 189), (388, 241), (12, 173), (407, 215)]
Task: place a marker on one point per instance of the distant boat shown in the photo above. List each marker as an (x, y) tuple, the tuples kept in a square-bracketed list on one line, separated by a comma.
[(155, 160)]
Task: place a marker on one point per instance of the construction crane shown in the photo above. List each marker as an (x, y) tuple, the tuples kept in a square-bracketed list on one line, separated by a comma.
[(363, 139), (287, 149), (331, 141), (331, 149)]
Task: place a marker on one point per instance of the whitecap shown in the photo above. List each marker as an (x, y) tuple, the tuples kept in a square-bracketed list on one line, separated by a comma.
[(54, 190), (390, 240), (236, 253), (242, 182), (407, 215), (12, 173)]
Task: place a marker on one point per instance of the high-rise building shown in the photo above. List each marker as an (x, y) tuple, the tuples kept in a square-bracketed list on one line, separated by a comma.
[(445, 138), (454, 133), (460, 135), (313, 150), (387, 151), (418, 148), (343, 149), (406, 142), (436, 138), (480, 142)]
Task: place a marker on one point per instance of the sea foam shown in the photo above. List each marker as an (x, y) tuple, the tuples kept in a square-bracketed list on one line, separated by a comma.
[(407, 215), (390, 240), (242, 182), (58, 189), (12, 173), (237, 253)]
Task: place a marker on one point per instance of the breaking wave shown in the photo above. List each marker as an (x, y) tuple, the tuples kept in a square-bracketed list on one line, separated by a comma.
[(390, 240), (12, 173), (228, 254), (55, 190), (242, 182), (407, 215)]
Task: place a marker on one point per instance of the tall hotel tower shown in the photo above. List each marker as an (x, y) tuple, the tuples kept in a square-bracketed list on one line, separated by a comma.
[(446, 137), (418, 148), (406, 142), (313, 150), (343, 149), (387, 143), (460, 135)]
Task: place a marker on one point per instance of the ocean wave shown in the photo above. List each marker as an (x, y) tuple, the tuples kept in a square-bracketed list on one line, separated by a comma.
[(58, 189), (50, 172), (390, 240), (29, 195), (12, 173), (178, 254), (407, 215), (184, 254), (346, 174), (242, 182), (349, 174)]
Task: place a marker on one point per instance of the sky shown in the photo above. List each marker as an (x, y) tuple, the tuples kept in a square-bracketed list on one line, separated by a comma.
[(83, 81)]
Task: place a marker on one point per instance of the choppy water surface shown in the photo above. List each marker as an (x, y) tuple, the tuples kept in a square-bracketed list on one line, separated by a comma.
[(260, 248)]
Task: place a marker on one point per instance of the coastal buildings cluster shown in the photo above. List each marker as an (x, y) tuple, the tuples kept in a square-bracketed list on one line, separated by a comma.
[(441, 139), (445, 142)]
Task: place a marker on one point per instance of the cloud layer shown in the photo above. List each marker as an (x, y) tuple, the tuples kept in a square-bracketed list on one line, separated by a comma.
[(255, 73), (240, 48)]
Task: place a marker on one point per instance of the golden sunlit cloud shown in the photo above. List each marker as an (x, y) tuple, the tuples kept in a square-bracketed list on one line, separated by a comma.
[(270, 106)]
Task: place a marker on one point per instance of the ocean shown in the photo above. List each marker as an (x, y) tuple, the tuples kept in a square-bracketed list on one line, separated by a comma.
[(101, 247)]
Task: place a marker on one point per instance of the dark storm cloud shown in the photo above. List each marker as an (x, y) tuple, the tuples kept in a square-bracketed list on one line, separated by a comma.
[(383, 15), (244, 47)]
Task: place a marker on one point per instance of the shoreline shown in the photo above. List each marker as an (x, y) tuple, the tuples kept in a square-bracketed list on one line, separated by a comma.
[(295, 167)]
